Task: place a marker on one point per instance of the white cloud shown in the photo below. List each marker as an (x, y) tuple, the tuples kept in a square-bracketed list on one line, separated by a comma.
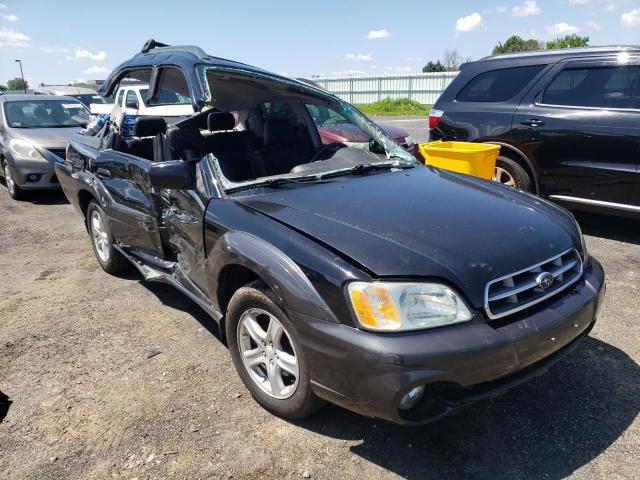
[(53, 49), (373, 34), (11, 38), (405, 69), (413, 59), (527, 9), (358, 57), (631, 19), (86, 54), (611, 7), (9, 17), (469, 23), (579, 2), (561, 29), (594, 25), (95, 69), (501, 9), (3, 6)]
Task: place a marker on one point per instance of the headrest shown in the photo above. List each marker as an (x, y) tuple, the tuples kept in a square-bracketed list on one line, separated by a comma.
[(149, 126), (218, 121), (279, 131)]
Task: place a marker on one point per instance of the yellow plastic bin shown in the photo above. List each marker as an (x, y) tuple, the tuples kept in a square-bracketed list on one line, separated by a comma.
[(478, 159)]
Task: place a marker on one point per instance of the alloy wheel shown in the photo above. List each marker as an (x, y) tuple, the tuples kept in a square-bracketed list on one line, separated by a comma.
[(8, 179), (267, 353), (502, 176), (99, 236)]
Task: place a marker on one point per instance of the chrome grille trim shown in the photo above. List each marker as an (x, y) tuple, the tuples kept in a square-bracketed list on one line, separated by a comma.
[(568, 261)]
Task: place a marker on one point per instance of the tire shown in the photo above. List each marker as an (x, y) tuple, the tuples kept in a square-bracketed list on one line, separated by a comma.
[(14, 190), (111, 260), (254, 306), (510, 173)]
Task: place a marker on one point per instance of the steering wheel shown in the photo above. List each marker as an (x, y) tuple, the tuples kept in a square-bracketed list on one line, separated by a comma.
[(329, 149)]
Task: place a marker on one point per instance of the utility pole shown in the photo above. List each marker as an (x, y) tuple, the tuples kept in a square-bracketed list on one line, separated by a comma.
[(24, 85)]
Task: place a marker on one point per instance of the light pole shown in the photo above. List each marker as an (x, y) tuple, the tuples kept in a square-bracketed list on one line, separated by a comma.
[(24, 85)]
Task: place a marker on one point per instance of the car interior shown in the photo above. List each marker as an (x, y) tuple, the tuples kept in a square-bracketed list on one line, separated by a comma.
[(257, 128)]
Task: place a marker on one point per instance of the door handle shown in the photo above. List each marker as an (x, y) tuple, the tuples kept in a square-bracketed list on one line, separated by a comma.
[(533, 122), (103, 173)]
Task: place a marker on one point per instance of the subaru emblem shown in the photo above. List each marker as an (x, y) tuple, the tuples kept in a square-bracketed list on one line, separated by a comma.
[(544, 280)]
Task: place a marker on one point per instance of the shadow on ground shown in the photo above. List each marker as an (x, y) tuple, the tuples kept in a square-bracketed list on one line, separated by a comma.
[(621, 229), (5, 403), (546, 428)]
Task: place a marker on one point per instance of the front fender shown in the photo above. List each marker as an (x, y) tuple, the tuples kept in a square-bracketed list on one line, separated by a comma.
[(285, 278)]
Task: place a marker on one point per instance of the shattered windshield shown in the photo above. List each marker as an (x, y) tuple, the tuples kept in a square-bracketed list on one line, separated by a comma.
[(266, 130)]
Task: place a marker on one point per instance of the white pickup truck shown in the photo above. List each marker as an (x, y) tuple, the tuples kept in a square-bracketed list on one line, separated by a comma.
[(132, 101)]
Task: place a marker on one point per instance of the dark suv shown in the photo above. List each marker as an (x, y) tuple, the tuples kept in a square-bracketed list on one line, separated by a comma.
[(354, 275), (568, 122)]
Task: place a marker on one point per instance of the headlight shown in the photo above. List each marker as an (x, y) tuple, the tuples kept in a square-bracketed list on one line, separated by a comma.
[(22, 148), (392, 306)]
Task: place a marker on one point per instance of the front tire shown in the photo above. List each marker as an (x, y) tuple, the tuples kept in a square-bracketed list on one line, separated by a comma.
[(99, 230), (14, 190), (510, 173), (267, 353)]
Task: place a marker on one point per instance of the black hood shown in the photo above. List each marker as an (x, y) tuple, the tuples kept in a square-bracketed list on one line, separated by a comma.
[(424, 223)]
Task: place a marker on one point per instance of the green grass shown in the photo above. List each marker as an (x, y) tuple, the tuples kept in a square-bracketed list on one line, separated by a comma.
[(390, 106)]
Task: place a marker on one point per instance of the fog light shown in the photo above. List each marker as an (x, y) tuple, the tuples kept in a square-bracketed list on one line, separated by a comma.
[(33, 177), (411, 399)]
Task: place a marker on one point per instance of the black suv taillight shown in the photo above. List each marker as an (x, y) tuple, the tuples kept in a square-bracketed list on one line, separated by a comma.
[(434, 118)]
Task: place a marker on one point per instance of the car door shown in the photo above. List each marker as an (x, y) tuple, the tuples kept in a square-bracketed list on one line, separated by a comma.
[(581, 126), (183, 216), (132, 205)]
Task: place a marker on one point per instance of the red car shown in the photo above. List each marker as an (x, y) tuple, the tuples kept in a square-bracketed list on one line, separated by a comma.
[(347, 132), (335, 128)]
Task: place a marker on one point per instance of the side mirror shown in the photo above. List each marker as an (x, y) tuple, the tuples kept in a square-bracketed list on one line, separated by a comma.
[(375, 147), (174, 174)]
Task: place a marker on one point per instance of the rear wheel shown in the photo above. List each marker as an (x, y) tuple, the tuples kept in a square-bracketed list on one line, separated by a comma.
[(14, 190), (99, 230), (510, 173), (267, 353)]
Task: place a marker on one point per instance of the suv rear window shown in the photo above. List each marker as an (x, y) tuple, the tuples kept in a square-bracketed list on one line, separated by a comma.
[(498, 85), (602, 87)]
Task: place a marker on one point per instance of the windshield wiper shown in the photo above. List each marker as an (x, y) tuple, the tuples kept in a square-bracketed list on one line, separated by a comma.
[(363, 167), (270, 182)]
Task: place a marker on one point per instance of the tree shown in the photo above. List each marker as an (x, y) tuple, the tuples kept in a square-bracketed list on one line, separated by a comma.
[(16, 84), (3, 88), (451, 59), (517, 44), (568, 41), (434, 67)]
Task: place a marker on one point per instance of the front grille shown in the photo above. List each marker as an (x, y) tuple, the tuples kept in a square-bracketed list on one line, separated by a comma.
[(61, 152), (515, 292)]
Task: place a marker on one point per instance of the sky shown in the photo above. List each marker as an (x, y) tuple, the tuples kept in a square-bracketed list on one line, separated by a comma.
[(67, 40)]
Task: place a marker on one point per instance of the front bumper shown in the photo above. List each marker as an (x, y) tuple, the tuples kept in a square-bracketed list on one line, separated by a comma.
[(369, 373), (44, 171)]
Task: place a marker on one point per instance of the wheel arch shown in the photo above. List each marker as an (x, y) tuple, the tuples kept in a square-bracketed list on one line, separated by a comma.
[(519, 156), (84, 198), (243, 257)]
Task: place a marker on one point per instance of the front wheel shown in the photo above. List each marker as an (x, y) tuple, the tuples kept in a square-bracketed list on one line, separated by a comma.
[(511, 174), (98, 227), (267, 353), (14, 190)]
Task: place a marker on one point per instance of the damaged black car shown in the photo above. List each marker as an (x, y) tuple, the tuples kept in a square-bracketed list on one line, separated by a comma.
[(346, 273)]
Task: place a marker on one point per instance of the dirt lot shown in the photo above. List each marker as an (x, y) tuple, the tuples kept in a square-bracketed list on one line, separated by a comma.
[(114, 378)]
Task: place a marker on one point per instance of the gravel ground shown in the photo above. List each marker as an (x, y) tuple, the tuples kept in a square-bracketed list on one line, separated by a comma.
[(112, 377)]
